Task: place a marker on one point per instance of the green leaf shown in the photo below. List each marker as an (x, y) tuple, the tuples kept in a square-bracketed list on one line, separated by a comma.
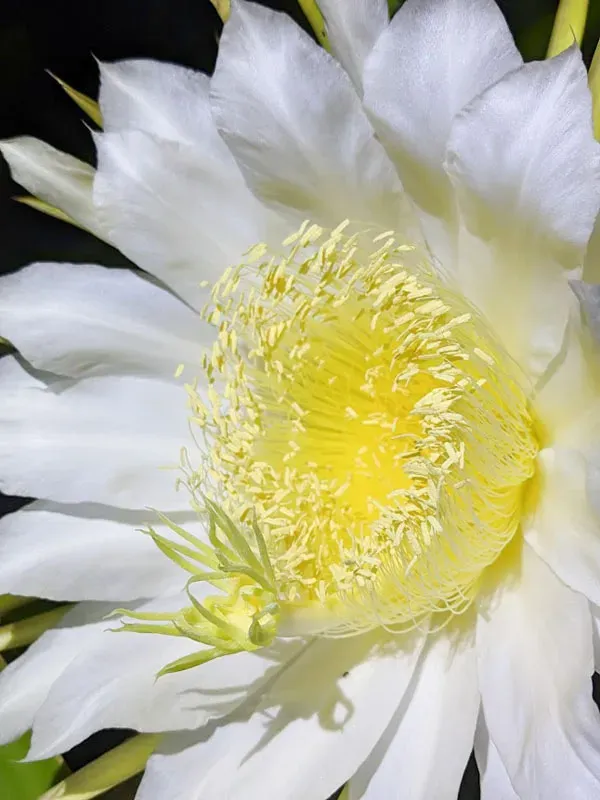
[(25, 781)]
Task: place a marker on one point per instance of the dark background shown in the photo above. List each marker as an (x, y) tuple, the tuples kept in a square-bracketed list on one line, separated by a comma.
[(61, 36)]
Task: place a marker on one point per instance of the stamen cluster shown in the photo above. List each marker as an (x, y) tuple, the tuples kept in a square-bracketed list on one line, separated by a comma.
[(363, 415)]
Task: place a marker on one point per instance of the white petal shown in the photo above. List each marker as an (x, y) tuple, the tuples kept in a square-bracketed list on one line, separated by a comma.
[(77, 319), (167, 100), (433, 58), (534, 644), (293, 121), (113, 684), (85, 552), (563, 528), (526, 169), (103, 440), (55, 177), (591, 265), (353, 27), (313, 728), (494, 782), (174, 210), (595, 612), (566, 398), (25, 683), (423, 753)]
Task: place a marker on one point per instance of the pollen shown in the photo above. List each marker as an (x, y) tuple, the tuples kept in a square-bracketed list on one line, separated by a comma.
[(363, 417)]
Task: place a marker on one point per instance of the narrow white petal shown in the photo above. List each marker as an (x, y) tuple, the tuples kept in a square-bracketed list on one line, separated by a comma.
[(175, 210), (294, 122), (25, 683), (423, 753), (526, 169), (534, 643), (78, 320), (103, 440), (85, 552), (113, 684), (564, 528), (494, 782), (55, 177), (353, 27), (433, 58), (167, 100), (310, 732)]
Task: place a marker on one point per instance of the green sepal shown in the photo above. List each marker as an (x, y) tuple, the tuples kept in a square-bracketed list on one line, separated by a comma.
[(25, 781)]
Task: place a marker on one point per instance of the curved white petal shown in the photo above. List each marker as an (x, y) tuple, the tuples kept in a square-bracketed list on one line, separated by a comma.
[(113, 684), (563, 528), (167, 100), (25, 682), (316, 724), (591, 264), (526, 168), (534, 645), (104, 440), (433, 59), (174, 210), (291, 117), (494, 782), (566, 397), (353, 27), (85, 552), (79, 320), (55, 177), (423, 753)]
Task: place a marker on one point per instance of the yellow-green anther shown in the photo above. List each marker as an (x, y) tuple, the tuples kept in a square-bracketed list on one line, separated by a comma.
[(315, 19), (594, 79), (85, 103), (10, 602), (569, 25), (26, 631), (223, 8), (106, 772)]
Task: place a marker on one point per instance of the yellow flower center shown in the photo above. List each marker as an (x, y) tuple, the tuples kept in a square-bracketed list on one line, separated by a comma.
[(367, 444), (363, 415)]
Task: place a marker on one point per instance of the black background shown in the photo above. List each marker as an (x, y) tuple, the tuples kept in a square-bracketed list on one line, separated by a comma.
[(61, 36)]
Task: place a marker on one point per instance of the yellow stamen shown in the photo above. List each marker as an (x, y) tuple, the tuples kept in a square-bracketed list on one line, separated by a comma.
[(368, 443), (569, 25)]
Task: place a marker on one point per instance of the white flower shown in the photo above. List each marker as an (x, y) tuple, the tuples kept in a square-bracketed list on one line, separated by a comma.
[(405, 427)]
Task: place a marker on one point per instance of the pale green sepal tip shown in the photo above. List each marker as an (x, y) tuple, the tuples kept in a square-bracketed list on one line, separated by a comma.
[(85, 103), (312, 12), (26, 631), (569, 25), (106, 772)]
